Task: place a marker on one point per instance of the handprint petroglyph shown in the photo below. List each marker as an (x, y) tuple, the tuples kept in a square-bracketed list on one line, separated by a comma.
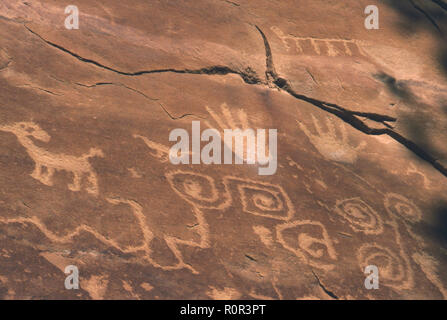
[(228, 120), (47, 163), (329, 145)]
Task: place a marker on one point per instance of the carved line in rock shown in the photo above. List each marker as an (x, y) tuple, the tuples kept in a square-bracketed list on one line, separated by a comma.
[(52, 162), (350, 47), (148, 236)]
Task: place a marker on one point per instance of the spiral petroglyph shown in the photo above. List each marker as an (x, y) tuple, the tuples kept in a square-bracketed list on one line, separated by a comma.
[(262, 199), (362, 217), (394, 270), (197, 189), (398, 205)]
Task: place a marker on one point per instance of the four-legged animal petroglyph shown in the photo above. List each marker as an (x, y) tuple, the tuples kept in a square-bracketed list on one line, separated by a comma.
[(320, 46), (47, 163), (329, 145)]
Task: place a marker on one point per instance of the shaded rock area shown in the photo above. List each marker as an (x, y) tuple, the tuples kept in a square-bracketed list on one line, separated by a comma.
[(85, 176)]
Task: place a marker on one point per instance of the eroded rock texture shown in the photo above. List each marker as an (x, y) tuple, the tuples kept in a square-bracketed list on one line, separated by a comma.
[(85, 179)]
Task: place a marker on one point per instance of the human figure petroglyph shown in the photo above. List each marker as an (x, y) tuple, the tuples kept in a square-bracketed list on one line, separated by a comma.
[(329, 145), (333, 47), (395, 270), (317, 252), (47, 163), (361, 216)]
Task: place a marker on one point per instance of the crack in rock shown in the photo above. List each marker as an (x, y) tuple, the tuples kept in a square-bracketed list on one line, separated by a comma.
[(329, 293), (140, 93)]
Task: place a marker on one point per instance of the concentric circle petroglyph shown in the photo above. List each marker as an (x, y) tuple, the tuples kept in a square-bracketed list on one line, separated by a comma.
[(398, 205), (263, 199), (393, 268), (362, 217), (198, 189)]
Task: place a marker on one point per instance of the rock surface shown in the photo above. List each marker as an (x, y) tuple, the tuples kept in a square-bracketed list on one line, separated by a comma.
[(85, 179)]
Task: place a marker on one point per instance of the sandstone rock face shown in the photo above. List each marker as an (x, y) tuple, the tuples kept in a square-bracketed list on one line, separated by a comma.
[(86, 179)]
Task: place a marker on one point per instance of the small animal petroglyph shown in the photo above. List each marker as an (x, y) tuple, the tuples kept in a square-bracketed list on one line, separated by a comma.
[(329, 145), (362, 218), (316, 250), (158, 150), (320, 46), (46, 163)]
